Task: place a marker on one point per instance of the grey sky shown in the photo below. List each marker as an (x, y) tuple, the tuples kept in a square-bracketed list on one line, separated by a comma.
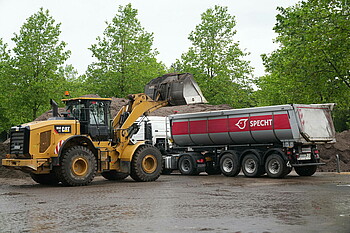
[(170, 21)]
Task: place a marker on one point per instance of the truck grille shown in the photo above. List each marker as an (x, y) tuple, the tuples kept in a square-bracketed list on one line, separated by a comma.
[(19, 141)]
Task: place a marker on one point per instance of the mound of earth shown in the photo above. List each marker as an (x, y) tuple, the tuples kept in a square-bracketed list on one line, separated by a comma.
[(4, 172), (342, 148)]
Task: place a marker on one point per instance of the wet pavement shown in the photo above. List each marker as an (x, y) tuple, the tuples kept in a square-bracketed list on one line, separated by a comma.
[(176, 203)]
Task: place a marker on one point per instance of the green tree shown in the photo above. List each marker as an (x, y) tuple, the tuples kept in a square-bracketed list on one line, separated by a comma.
[(5, 70), (35, 79), (312, 63), (216, 60), (125, 58)]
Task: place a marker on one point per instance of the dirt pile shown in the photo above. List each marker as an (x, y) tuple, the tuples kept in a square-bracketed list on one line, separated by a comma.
[(4, 172), (342, 148)]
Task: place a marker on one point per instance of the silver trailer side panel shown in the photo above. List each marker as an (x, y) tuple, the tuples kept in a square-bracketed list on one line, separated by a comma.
[(282, 123)]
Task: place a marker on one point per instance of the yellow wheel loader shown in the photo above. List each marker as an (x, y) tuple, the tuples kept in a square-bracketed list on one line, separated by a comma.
[(73, 147)]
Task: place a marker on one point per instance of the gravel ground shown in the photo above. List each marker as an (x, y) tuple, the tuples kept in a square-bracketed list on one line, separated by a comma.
[(176, 203)]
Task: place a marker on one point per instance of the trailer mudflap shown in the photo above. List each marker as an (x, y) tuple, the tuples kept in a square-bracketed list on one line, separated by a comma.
[(306, 164)]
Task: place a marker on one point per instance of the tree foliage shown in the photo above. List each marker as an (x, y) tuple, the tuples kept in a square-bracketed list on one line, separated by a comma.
[(34, 78), (312, 63), (125, 58), (216, 60), (4, 83)]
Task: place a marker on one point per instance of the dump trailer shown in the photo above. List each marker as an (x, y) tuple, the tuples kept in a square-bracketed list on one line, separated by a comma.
[(73, 147), (260, 140)]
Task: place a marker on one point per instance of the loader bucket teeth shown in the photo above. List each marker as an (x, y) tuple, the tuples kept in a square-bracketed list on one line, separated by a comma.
[(177, 89)]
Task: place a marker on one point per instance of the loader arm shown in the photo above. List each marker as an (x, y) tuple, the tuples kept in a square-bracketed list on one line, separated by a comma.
[(172, 89)]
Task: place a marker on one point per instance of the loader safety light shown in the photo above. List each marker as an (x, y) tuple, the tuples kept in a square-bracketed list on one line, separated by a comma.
[(66, 93)]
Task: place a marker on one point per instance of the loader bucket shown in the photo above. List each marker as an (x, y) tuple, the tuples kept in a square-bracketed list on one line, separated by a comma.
[(178, 89)]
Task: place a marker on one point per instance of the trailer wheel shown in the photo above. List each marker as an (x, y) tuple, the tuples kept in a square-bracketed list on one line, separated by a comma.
[(187, 166), (146, 164), (45, 179), (78, 166), (251, 166), (276, 167), (229, 164), (306, 171), (114, 175)]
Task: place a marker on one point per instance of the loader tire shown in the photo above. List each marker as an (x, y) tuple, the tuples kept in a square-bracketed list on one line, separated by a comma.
[(45, 179), (114, 175), (306, 171), (78, 166), (229, 164), (146, 164)]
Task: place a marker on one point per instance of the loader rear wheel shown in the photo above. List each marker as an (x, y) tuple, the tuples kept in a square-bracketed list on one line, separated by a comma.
[(251, 166), (45, 179), (114, 175), (78, 166), (306, 171), (229, 164), (146, 164)]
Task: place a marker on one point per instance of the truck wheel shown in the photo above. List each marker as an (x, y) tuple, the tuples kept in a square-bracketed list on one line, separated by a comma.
[(306, 171), (78, 166), (229, 164), (114, 175), (45, 179), (146, 164), (276, 167), (187, 166), (251, 166)]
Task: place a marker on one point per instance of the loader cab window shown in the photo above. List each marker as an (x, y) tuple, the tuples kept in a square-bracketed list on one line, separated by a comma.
[(77, 111), (97, 113)]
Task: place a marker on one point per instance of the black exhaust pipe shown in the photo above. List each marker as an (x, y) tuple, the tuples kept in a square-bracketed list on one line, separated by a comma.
[(54, 106)]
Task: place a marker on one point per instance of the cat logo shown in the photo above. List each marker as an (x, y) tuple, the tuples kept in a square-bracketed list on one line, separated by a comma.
[(62, 128)]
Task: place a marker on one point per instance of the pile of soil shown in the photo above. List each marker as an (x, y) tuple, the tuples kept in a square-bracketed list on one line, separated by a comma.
[(327, 152), (4, 172), (342, 148)]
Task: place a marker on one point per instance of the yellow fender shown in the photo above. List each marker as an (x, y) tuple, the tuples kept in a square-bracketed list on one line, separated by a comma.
[(129, 151)]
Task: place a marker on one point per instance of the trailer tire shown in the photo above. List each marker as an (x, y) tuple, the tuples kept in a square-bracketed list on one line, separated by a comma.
[(306, 171), (276, 167), (146, 164), (251, 166), (45, 179), (114, 175), (78, 166), (229, 164), (187, 165)]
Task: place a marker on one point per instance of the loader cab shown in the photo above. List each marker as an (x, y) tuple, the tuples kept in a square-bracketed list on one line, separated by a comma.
[(93, 114)]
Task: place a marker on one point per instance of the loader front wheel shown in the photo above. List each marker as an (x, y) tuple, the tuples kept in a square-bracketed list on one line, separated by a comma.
[(78, 167), (45, 179), (146, 164), (114, 175)]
